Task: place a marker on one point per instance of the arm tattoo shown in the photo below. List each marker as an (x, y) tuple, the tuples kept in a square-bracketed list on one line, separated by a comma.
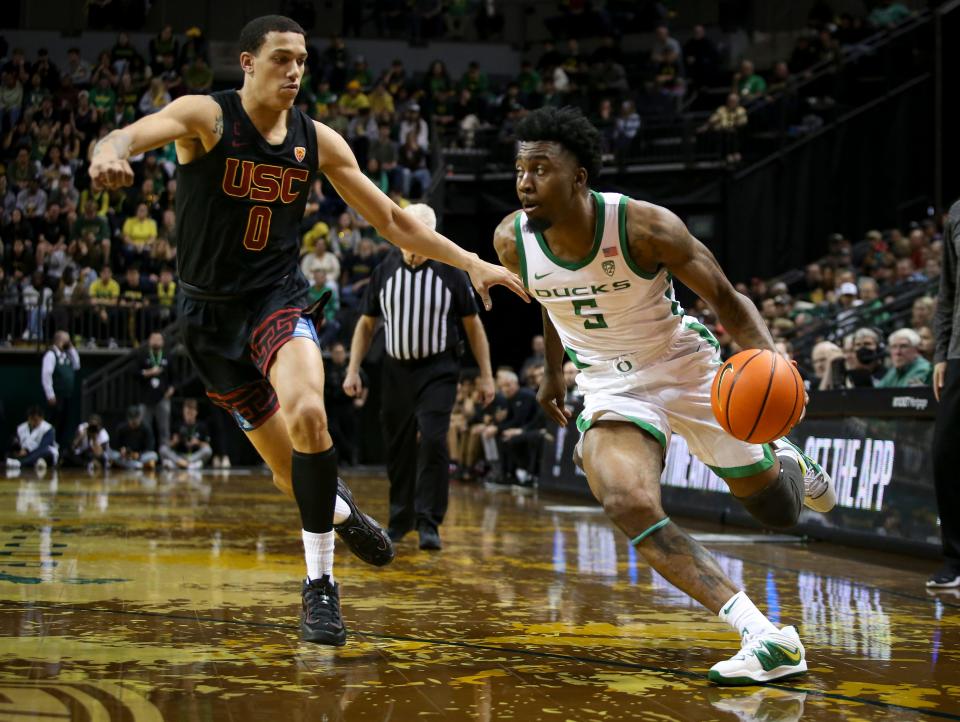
[(218, 125), (118, 140)]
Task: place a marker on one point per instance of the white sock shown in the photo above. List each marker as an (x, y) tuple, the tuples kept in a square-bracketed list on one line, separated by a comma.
[(318, 550), (341, 512), (742, 614)]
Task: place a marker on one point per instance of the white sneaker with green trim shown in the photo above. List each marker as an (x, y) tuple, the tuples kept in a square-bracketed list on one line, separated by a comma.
[(820, 493), (763, 658)]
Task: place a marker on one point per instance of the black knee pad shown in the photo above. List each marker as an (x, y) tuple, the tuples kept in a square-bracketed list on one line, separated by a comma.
[(779, 505)]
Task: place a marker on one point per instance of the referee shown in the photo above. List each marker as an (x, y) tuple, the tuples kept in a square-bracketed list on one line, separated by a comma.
[(420, 302)]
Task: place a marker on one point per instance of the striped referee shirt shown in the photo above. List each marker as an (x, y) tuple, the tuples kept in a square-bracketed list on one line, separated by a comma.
[(420, 306)]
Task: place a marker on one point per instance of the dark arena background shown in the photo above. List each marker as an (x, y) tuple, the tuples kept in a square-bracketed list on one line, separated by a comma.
[(810, 145)]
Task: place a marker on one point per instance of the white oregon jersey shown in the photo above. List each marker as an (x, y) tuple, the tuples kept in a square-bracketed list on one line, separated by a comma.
[(604, 306)]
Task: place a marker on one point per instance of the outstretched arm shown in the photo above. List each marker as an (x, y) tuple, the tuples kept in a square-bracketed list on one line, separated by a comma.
[(195, 118), (670, 243), (339, 164)]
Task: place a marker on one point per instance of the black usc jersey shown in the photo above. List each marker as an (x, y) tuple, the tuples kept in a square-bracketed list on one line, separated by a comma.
[(239, 207)]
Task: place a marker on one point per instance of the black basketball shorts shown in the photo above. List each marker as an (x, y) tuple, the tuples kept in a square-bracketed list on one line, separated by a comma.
[(232, 342)]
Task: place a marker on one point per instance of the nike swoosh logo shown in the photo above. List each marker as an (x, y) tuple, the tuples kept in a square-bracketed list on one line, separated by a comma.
[(791, 654), (538, 276), (732, 605)]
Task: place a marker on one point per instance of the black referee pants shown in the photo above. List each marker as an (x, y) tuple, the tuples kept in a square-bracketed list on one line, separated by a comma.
[(418, 397), (946, 464)]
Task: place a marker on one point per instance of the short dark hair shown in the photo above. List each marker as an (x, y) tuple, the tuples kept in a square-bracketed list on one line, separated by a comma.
[(255, 31), (34, 410), (571, 129)]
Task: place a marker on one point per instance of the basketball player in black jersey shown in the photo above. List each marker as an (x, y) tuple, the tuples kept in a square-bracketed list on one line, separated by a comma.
[(247, 159)]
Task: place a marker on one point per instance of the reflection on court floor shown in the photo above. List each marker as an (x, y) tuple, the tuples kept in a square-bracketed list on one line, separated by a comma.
[(176, 597)]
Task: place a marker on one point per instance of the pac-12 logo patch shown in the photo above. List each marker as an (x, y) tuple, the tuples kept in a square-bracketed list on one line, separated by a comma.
[(608, 267), (299, 153)]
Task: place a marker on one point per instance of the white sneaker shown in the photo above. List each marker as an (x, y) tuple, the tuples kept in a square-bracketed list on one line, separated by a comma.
[(169, 465), (195, 465), (820, 493), (13, 463), (224, 462), (763, 658), (40, 467), (216, 462)]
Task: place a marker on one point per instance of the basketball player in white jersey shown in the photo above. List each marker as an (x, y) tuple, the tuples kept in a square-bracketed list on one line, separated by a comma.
[(602, 267)]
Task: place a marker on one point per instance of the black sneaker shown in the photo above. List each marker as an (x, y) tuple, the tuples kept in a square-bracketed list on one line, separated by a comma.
[(946, 578), (320, 620), (429, 538), (362, 534)]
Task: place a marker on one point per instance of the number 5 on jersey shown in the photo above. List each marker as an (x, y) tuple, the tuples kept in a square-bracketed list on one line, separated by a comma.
[(258, 228), (586, 308)]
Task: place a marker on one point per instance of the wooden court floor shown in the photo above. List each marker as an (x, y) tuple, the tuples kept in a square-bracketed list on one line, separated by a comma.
[(176, 597)]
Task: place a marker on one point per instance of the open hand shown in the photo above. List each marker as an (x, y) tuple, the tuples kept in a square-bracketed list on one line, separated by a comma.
[(485, 275)]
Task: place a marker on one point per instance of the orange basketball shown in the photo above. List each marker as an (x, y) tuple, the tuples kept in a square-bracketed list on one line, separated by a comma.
[(757, 396)]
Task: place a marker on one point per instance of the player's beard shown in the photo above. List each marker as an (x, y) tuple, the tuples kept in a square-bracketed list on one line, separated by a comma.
[(538, 225)]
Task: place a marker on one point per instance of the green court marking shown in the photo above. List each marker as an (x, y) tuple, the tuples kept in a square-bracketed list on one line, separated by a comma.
[(16, 579)]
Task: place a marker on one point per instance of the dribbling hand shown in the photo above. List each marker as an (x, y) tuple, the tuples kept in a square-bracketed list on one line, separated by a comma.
[(352, 384), (551, 396), (485, 275)]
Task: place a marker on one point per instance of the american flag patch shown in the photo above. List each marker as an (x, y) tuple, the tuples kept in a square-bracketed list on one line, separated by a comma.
[(610, 251)]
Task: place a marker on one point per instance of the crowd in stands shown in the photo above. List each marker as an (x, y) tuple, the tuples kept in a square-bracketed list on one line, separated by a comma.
[(860, 316), (100, 264)]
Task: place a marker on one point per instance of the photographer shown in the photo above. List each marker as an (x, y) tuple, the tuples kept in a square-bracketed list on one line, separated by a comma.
[(864, 368), (35, 444), (189, 447), (90, 445), (824, 356), (135, 443)]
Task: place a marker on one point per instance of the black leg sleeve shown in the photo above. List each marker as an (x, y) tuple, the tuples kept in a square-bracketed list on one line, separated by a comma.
[(315, 488)]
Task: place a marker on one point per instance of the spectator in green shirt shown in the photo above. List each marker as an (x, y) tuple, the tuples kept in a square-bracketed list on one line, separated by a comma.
[(528, 80), (90, 220), (198, 77), (102, 97), (908, 367), (475, 80), (747, 83), (887, 14)]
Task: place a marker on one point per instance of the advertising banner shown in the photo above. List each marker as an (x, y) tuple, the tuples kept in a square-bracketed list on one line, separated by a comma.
[(881, 467)]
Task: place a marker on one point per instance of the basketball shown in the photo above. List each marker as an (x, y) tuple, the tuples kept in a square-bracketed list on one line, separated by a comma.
[(757, 396)]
